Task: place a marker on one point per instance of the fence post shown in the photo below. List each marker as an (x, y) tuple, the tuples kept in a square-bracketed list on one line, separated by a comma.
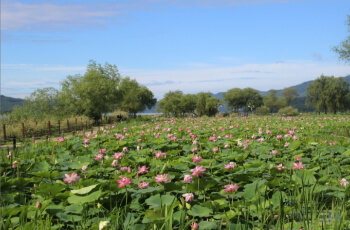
[(86, 125), (36, 129), (14, 142), (59, 127), (68, 125), (23, 131), (33, 139), (49, 124), (76, 124), (83, 132), (4, 130)]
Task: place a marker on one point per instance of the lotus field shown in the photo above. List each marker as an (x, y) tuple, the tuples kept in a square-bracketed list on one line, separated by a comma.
[(257, 172)]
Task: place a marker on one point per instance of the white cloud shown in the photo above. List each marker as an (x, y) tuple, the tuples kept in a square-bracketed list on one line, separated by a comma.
[(220, 79), (32, 16)]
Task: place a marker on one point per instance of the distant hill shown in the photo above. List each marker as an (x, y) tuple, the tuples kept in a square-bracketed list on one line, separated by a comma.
[(7, 103)]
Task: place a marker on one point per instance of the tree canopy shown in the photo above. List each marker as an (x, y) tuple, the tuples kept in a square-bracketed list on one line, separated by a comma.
[(328, 93), (136, 98), (343, 49), (94, 93), (248, 99)]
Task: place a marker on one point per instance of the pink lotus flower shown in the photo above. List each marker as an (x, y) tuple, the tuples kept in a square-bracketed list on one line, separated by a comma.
[(162, 178), (117, 156), (231, 188), (286, 144), (344, 182), (280, 167), (198, 171), (86, 140), (274, 152), (125, 168), (143, 185), (230, 166), (279, 137), (298, 165), (188, 197), (83, 169), (115, 163), (215, 150), (227, 146), (60, 139), (160, 154), (101, 151), (71, 178), (125, 150), (194, 150), (188, 178), (99, 156), (197, 159), (298, 158), (124, 181), (14, 164), (194, 226), (143, 169)]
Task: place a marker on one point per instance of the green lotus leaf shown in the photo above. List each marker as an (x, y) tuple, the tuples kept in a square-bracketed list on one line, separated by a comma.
[(84, 190), (200, 211), (84, 199), (207, 225)]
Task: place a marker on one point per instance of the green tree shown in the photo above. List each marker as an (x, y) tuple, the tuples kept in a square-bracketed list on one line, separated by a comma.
[(234, 99), (136, 98), (40, 104), (188, 104), (273, 102), (170, 105), (328, 93), (207, 104), (343, 49), (290, 94), (248, 99), (93, 94)]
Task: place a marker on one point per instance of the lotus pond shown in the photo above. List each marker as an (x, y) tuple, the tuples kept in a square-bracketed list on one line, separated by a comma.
[(184, 173)]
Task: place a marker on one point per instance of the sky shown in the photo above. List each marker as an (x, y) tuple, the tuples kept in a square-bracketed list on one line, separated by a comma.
[(188, 45)]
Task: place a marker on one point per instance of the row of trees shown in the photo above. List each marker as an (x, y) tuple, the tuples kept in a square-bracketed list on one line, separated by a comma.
[(175, 103), (99, 91)]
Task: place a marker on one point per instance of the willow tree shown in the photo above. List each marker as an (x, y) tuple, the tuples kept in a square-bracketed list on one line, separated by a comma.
[(136, 97), (94, 93)]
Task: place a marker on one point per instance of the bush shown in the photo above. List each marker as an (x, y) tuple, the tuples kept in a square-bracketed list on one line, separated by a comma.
[(288, 111), (262, 110)]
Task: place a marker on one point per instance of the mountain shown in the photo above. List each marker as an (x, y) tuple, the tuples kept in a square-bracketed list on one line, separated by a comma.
[(7, 103)]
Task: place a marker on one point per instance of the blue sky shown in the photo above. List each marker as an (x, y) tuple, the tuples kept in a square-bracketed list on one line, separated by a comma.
[(188, 45)]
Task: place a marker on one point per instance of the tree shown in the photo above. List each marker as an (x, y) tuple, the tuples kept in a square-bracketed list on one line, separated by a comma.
[(188, 104), (207, 105), (234, 99), (273, 102), (328, 93), (290, 94), (247, 99), (170, 104), (93, 94), (343, 49), (136, 98), (40, 104)]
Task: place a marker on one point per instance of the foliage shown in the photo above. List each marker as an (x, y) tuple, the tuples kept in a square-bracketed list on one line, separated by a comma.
[(328, 93), (284, 173), (170, 105), (263, 110), (273, 102), (290, 94), (136, 98), (288, 111), (93, 94), (248, 99), (343, 49), (207, 104)]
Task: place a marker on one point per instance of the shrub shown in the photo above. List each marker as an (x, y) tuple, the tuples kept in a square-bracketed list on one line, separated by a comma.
[(262, 110), (288, 111)]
